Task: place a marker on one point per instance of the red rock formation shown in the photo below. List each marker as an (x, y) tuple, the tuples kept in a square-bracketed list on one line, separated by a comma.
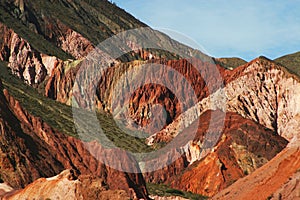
[(67, 185), (22, 58), (267, 181), (60, 83), (156, 87), (288, 190), (150, 95), (67, 39), (243, 147), (31, 149), (261, 90), (267, 93)]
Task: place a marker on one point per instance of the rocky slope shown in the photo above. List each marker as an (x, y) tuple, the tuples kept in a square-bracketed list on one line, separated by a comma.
[(42, 62), (270, 181), (67, 185), (267, 93), (235, 81), (44, 30), (136, 98), (243, 147), (47, 50), (24, 61), (261, 90), (30, 149)]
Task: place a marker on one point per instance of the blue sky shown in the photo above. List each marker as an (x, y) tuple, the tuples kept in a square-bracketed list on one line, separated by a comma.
[(228, 28)]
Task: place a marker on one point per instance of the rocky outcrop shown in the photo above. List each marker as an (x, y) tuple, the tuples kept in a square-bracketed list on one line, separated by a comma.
[(52, 29), (67, 185), (290, 189), (33, 66), (31, 149), (260, 90), (67, 39), (243, 147), (269, 180), (266, 93), (130, 91), (60, 83), (22, 58)]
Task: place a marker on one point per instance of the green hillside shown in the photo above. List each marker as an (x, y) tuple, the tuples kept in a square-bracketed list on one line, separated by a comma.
[(291, 61), (230, 63), (60, 116)]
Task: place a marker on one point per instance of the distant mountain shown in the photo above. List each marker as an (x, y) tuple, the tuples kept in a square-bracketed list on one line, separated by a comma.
[(230, 63), (291, 62)]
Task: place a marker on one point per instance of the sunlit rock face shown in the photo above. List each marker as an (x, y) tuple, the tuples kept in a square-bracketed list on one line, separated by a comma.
[(266, 93), (22, 58), (239, 151), (67, 185), (260, 90)]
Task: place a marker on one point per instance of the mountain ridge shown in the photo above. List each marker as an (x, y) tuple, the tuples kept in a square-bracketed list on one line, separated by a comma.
[(46, 51)]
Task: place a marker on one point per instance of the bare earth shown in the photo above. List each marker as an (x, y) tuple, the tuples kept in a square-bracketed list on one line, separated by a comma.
[(265, 181)]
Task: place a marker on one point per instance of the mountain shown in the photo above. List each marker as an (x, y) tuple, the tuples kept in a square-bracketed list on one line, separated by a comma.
[(245, 115), (256, 92), (239, 152), (275, 180), (291, 62), (31, 149), (230, 63)]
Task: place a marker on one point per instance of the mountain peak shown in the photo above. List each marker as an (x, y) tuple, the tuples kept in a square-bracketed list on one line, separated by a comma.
[(255, 107)]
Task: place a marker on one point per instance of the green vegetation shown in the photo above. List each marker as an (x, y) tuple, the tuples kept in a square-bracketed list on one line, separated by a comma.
[(95, 20), (291, 62), (60, 116), (164, 190), (36, 40)]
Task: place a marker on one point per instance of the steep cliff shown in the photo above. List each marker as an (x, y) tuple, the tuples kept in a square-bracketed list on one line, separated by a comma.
[(24, 61)]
